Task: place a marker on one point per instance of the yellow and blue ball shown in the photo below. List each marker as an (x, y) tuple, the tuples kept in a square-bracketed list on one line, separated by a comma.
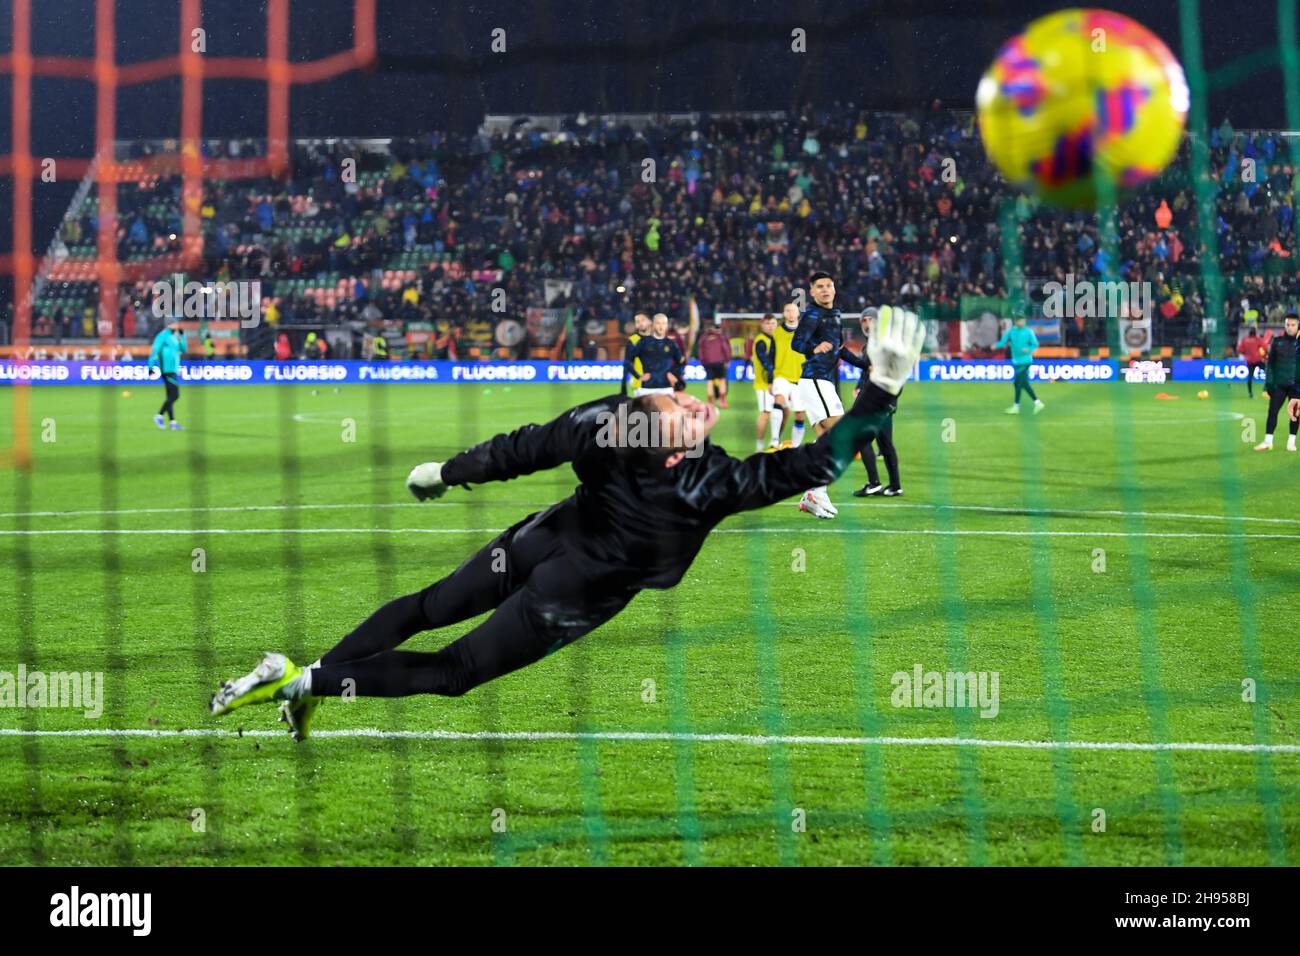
[(1082, 95)]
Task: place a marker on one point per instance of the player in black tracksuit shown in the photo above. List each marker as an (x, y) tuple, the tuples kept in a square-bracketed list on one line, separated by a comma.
[(884, 439), (636, 520), (1281, 374)]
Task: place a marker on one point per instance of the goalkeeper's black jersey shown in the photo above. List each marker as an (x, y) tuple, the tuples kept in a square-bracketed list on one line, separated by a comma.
[(630, 522)]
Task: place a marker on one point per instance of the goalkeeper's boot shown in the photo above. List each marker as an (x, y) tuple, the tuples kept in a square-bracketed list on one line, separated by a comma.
[(298, 715), (824, 500), (810, 505), (1013, 410), (176, 426), (269, 681), (1266, 444), (1038, 405), (160, 422)]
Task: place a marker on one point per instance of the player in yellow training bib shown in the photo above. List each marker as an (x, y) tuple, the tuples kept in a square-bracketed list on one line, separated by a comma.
[(785, 383), (642, 322), (763, 361)]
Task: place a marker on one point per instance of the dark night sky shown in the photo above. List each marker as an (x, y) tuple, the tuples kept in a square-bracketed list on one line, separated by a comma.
[(435, 68)]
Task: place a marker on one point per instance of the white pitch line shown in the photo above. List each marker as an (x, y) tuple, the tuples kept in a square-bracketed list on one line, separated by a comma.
[(75, 531), (1009, 533), (760, 740), (1049, 512), (1009, 510), (818, 528), (193, 509)]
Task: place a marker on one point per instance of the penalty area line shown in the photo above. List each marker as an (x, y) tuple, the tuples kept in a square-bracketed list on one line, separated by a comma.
[(761, 740)]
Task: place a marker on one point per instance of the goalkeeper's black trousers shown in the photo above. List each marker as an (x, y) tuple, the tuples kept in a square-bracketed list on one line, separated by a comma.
[(541, 604)]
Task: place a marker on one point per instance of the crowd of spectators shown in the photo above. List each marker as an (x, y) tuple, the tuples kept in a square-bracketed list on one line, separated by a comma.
[(733, 212)]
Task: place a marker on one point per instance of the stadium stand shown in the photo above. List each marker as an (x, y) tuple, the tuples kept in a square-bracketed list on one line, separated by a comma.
[(412, 239)]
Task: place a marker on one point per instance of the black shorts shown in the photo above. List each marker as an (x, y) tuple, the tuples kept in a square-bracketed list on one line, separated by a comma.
[(715, 370)]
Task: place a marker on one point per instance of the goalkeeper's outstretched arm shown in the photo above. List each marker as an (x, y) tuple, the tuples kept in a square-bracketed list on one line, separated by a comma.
[(509, 455)]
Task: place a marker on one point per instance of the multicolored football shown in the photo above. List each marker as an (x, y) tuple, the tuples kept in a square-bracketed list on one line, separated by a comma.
[(1082, 94)]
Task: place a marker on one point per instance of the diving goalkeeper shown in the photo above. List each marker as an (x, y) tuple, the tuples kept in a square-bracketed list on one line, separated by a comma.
[(647, 498)]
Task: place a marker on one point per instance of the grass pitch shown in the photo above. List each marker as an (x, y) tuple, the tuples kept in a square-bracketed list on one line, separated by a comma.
[(1127, 566)]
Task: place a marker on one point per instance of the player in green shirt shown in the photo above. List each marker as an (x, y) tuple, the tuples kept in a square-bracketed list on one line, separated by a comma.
[(1021, 342)]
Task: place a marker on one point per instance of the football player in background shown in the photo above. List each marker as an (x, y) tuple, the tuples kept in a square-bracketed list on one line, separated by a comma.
[(165, 355), (662, 362), (1253, 348), (785, 385), (1019, 339), (819, 338), (641, 328), (884, 439), (714, 349), (1280, 380), (763, 362), (641, 513)]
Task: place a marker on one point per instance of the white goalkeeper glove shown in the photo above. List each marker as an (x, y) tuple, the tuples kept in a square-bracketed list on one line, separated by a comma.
[(894, 346), (425, 481)]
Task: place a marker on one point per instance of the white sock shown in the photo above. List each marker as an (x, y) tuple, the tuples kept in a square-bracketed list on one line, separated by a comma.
[(758, 445), (796, 434), (778, 416), (1268, 440)]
